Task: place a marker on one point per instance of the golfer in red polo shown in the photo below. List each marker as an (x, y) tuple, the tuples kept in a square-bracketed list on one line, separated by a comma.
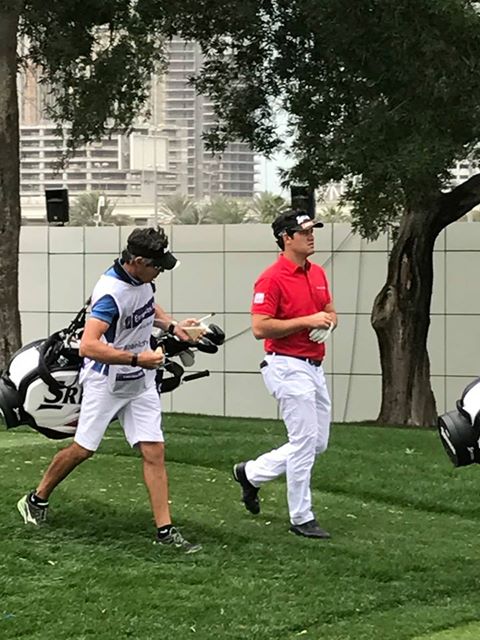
[(292, 310)]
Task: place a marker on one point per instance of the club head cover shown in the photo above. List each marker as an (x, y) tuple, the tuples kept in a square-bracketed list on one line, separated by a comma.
[(215, 334), (205, 345), (170, 344), (166, 383)]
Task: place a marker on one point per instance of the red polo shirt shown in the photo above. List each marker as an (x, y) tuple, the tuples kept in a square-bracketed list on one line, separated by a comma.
[(286, 290)]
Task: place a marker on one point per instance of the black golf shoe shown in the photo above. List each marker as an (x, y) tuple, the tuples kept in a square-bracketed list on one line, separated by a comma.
[(249, 492), (310, 529)]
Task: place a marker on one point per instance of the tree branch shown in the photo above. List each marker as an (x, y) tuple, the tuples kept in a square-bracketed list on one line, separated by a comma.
[(460, 200)]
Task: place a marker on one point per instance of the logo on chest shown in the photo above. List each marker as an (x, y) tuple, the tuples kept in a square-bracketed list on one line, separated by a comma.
[(139, 315)]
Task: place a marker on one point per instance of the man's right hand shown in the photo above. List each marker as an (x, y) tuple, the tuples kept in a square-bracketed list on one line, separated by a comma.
[(151, 359), (320, 320)]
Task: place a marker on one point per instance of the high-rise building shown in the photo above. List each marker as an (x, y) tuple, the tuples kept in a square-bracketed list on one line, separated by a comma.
[(165, 155), (232, 173), (101, 166), (463, 171)]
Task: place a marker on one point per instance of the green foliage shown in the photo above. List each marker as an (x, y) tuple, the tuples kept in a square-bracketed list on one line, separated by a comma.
[(83, 212), (389, 572), (97, 58), (334, 213), (267, 206), (223, 210), (184, 210), (218, 210), (384, 95)]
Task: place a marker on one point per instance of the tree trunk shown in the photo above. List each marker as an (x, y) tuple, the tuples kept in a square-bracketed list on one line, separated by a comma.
[(401, 318), (401, 311), (9, 184)]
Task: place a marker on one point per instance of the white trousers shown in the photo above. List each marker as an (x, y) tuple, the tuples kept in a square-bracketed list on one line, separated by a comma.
[(304, 402), (140, 416)]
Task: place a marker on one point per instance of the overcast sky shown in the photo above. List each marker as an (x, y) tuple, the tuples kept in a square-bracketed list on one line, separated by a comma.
[(268, 179)]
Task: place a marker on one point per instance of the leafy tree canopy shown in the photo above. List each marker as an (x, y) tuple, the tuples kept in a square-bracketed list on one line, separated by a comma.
[(383, 93), (97, 57)]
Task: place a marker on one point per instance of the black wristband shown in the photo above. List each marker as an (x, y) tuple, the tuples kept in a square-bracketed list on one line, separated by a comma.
[(171, 328), (134, 361)]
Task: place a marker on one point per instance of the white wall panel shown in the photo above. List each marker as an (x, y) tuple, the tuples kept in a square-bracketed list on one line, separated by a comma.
[(454, 386), (205, 396), (246, 395), (66, 239), (463, 291), (356, 397), (241, 272), (34, 326), (436, 345), (462, 342), (439, 391), (357, 279), (196, 238), (95, 265), (198, 283), (66, 282), (243, 353), (33, 239), (33, 294), (59, 266), (249, 237), (58, 321), (438, 289), (463, 237), (355, 346), (102, 240)]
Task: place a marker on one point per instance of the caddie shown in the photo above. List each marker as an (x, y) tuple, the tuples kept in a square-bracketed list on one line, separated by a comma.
[(118, 378), (293, 312)]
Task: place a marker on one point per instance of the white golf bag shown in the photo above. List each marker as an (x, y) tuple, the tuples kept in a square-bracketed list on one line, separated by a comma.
[(40, 387), (460, 429)]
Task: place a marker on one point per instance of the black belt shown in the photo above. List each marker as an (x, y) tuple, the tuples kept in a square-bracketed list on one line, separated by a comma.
[(315, 363)]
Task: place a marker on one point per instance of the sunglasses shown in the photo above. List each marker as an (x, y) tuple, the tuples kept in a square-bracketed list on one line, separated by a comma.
[(153, 264)]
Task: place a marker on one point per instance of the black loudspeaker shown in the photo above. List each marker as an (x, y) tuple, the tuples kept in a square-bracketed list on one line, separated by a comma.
[(303, 198), (57, 205)]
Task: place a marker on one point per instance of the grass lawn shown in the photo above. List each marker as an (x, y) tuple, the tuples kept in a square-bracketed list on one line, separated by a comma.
[(403, 561)]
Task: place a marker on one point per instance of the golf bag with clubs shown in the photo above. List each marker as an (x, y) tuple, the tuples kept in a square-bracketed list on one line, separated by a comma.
[(40, 387), (459, 429)]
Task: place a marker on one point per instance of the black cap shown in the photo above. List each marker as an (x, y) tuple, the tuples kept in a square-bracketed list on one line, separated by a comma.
[(152, 244), (291, 221)]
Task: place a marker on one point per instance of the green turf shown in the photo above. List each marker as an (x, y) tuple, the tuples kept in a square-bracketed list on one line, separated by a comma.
[(402, 563), (465, 632)]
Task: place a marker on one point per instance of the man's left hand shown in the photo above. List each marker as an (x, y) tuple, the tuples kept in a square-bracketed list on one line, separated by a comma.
[(183, 335)]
